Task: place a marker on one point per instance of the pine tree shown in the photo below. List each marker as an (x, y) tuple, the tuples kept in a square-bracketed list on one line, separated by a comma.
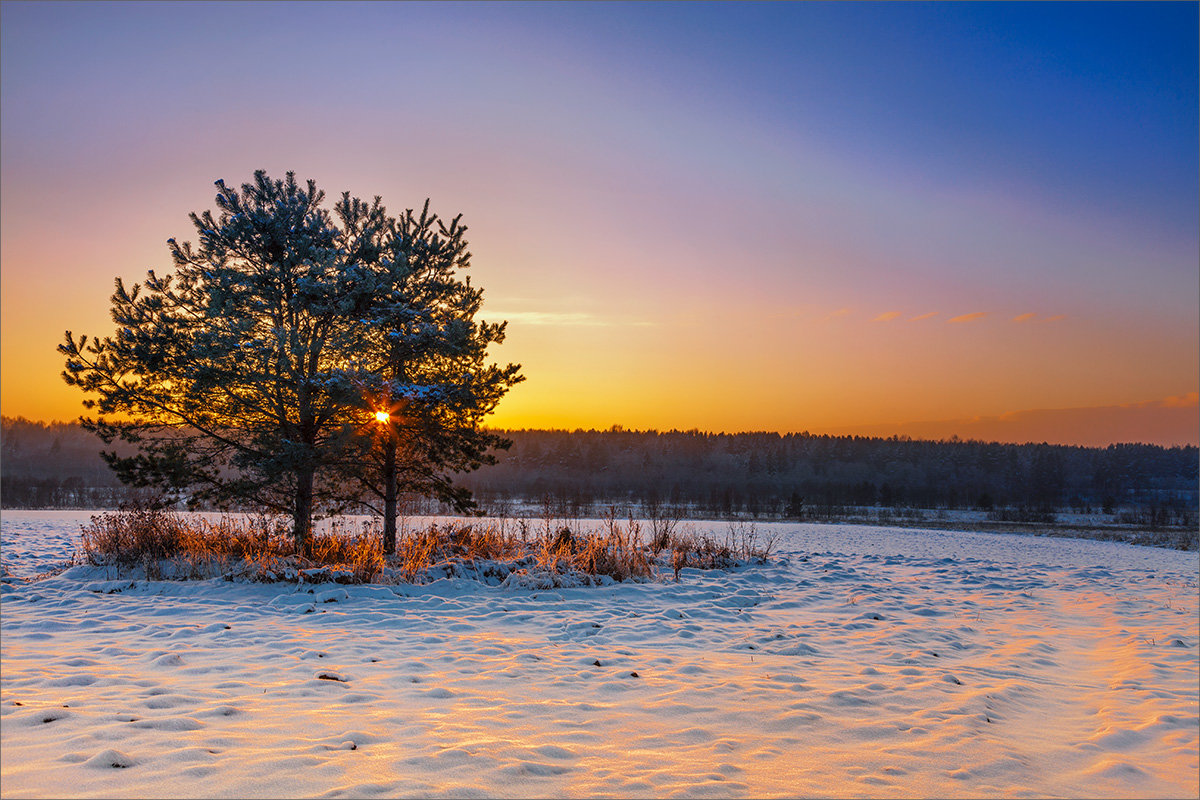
[(235, 376), (427, 384)]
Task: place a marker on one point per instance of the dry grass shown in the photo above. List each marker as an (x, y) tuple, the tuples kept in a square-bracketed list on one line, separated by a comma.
[(168, 545), (418, 550), (742, 543)]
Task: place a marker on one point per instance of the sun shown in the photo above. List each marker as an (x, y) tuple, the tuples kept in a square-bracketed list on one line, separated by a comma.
[(382, 416)]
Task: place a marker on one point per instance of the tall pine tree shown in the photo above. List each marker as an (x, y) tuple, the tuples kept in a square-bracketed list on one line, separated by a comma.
[(428, 385)]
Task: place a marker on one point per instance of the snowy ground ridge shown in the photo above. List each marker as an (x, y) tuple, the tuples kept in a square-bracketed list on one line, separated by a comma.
[(861, 662)]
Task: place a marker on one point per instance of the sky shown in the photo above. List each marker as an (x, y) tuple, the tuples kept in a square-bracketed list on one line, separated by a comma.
[(898, 218)]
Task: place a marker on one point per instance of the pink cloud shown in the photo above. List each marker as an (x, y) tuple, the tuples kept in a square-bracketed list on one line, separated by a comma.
[(969, 317)]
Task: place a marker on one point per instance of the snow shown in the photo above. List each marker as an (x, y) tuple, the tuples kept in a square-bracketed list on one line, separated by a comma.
[(862, 661)]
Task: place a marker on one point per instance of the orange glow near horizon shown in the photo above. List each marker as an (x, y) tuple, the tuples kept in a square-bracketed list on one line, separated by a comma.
[(662, 261), (804, 371)]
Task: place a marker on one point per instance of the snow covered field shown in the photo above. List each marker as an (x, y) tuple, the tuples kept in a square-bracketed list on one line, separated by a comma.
[(862, 662)]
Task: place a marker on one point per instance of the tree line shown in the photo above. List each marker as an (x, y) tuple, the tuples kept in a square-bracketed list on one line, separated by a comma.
[(791, 475), (710, 474)]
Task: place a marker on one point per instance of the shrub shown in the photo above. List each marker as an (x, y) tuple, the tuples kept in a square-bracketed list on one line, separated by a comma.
[(169, 545)]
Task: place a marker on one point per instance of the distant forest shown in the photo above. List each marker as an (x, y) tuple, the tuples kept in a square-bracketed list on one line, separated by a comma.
[(762, 475)]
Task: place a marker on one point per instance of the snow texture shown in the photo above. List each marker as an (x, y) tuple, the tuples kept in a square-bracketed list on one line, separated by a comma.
[(865, 662)]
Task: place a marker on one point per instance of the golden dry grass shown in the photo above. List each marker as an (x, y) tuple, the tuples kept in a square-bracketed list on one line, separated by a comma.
[(199, 547), (167, 544)]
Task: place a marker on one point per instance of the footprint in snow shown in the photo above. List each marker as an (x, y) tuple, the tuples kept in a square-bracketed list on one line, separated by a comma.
[(46, 717), (158, 700), (72, 680), (554, 751), (176, 724), (109, 759), (224, 711)]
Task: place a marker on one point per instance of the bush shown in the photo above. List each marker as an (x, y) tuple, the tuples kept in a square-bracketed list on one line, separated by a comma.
[(742, 543), (165, 544)]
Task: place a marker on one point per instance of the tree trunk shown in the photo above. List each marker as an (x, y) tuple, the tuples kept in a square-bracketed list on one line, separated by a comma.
[(389, 492), (302, 514)]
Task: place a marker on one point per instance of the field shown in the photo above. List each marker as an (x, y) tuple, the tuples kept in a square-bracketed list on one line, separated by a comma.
[(861, 661)]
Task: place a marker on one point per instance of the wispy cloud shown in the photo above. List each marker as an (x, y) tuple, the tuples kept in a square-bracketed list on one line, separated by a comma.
[(887, 316), (559, 318), (1031, 316), (1189, 400), (930, 315), (969, 317), (841, 312)]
